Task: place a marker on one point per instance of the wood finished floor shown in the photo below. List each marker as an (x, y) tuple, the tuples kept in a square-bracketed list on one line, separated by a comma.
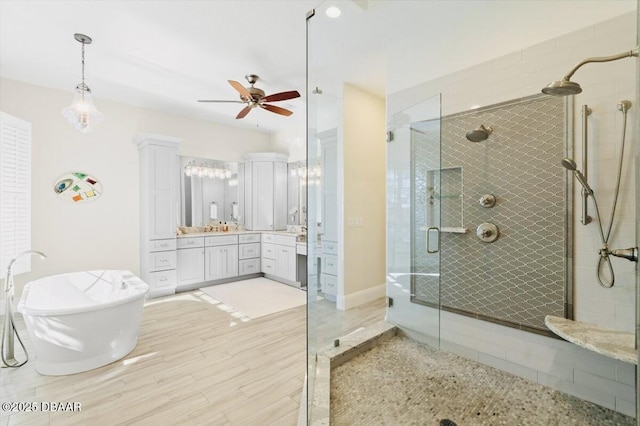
[(194, 364)]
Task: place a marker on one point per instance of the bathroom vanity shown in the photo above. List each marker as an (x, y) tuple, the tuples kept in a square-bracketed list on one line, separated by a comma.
[(219, 257), (190, 193)]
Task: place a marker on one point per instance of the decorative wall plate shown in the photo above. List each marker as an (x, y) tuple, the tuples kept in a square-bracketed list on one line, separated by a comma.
[(77, 187)]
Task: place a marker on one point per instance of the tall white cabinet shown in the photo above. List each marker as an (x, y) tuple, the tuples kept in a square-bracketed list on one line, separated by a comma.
[(265, 191), (329, 278), (159, 197)]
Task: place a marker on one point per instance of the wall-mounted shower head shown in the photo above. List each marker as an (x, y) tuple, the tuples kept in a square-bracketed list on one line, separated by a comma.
[(565, 87), (570, 165), (480, 134), (562, 87)]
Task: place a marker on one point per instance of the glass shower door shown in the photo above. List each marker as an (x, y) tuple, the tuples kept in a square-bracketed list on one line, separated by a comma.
[(414, 195)]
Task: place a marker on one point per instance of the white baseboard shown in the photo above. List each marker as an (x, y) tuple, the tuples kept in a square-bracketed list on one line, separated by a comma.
[(361, 297)]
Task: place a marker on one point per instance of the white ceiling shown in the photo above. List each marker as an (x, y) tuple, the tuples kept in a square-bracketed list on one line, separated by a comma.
[(167, 54)]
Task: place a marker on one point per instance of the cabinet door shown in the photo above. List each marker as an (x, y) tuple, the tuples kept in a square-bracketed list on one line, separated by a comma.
[(280, 196), (330, 189), (262, 195), (221, 262), (190, 266), (163, 192), (286, 262), (230, 261)]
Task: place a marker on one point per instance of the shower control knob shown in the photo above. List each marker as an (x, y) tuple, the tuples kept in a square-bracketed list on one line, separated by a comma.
[(487, 232), (488, 201)]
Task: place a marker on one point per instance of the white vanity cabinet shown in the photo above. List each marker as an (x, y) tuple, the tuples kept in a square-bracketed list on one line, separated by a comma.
[(265, 191), (286, 257), (190, 261), (279, 257), (249, 254), (220, 257), (159, 192), (329, 277)]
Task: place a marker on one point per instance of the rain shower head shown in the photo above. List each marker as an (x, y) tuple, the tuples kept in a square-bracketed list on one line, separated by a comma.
[(562, 87), (570, 165), (480, 134), (565, 87)]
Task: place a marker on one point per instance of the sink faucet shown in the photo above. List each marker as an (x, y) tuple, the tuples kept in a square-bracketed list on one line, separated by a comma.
[(9, 330)]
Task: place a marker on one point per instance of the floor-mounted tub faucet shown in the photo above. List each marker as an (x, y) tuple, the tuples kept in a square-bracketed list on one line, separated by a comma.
[(9, 331)]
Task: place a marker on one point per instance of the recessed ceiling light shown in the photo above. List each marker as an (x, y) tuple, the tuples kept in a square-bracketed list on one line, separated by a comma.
[(333, 12)]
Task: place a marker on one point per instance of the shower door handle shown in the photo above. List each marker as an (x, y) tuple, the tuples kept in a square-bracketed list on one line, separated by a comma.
[(429, 229)]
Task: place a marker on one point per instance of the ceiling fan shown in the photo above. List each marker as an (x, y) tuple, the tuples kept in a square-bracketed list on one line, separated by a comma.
[(254, 97)]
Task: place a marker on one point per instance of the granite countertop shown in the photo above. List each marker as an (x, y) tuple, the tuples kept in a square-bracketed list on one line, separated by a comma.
[(615, 344)]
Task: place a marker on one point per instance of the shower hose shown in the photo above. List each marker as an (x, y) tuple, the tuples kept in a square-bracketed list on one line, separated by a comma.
[(604, 252)]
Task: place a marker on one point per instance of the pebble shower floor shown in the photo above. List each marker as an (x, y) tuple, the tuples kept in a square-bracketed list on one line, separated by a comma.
[(402, 382)]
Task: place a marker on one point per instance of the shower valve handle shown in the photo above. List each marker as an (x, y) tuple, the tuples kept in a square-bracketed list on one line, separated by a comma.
[(630, 254)]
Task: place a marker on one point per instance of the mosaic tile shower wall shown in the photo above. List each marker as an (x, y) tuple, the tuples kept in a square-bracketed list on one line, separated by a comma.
[(519, 278)]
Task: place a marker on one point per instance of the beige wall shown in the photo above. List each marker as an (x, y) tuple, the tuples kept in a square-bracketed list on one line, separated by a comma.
[(104, 233), (364, 191)]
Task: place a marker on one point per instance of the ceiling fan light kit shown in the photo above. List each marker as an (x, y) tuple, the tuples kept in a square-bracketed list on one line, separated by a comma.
[(255, 97)]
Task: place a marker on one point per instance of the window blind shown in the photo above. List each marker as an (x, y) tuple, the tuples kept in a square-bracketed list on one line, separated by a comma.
[(15, 192)]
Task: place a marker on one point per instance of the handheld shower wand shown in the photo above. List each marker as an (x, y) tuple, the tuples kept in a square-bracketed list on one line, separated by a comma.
[(569, 164), (9, 331)]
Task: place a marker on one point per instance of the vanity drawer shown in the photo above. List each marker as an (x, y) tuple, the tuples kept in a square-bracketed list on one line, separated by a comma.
[(268, 251), (329, 284), (162, 245), (220, 240), (301, 248), (286, 240), (162, 260), (268, 238), (248, 238), (162, 279), (247, 251), (248, 266), (269, 266), (191, 242), (330, 264), (329, 247)]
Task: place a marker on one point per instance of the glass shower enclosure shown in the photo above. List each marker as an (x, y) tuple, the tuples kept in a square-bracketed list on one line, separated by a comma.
[(438, 185)]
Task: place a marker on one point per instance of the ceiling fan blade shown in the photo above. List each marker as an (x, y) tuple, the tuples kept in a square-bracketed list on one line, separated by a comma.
[(243, 113), (282, 96), (276, 109), (241, 89), (209, 100)]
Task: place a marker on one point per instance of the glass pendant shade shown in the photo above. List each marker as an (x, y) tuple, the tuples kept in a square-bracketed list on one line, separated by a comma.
[(82, 113)]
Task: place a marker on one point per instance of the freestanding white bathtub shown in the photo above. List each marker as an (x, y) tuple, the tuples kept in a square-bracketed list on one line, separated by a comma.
[(82, 320)]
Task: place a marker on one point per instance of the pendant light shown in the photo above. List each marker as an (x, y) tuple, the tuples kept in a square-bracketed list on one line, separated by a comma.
[(82, 113)]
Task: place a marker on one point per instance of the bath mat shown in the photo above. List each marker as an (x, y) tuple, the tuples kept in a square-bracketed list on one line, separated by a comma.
[(257, 297)]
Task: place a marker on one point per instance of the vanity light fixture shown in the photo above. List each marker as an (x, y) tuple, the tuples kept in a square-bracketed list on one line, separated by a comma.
[(205, 170), (82, 113)]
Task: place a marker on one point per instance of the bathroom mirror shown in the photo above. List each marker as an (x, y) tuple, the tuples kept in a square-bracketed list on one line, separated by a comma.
[(208, 191), (298, 179)]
